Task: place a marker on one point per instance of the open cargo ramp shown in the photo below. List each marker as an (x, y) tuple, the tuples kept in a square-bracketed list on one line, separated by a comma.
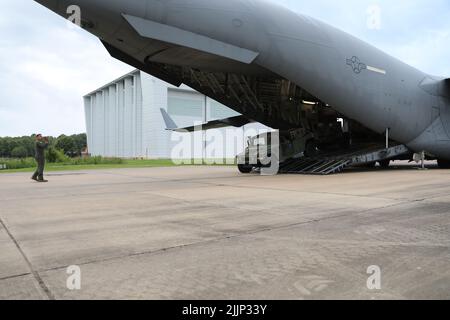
[(335, 163)]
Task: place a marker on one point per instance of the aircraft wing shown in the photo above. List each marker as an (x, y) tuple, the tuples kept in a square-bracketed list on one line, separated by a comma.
[(238, 121)]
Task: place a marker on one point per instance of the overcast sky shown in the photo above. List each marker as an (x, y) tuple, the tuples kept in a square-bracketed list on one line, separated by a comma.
[(46, 66)]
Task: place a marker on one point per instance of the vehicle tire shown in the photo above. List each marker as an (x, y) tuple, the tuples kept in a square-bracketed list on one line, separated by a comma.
[(312, 148), (385, 163), (444, 164), (370, 165), (245, 168)]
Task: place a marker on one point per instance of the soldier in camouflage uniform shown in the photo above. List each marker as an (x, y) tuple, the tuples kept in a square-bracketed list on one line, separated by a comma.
[(40, 145)]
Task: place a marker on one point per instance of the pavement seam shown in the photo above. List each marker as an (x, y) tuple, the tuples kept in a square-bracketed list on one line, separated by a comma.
[(16, 276), (224, 206), (227, 237), (35, 274)]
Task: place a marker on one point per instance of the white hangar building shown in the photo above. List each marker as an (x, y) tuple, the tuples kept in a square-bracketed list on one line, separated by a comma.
[(123, 119)]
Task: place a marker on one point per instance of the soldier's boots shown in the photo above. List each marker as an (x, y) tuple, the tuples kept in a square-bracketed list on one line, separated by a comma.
[(38, 179)]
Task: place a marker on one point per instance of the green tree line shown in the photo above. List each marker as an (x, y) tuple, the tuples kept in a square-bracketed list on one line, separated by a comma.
[(23, 147)]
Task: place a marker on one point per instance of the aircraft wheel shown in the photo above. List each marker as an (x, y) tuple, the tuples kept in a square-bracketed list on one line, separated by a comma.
[(385, 163), (244, 168), (444, 164)]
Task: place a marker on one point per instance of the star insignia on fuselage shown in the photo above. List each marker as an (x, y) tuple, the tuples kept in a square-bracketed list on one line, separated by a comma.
[(356, 64)]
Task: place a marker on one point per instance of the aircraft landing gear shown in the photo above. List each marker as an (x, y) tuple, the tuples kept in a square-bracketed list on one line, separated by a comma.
[(244, 168), (385, 163), (444, 164)]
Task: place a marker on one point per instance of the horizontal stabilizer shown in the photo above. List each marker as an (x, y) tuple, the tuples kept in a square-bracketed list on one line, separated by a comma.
[(162, 32), (238, 121)]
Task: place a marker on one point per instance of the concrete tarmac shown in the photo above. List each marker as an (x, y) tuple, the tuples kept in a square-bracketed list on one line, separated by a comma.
[(212, 233)]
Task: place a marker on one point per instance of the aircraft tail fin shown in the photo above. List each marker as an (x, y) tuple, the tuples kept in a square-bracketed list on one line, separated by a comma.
[(170, 124)]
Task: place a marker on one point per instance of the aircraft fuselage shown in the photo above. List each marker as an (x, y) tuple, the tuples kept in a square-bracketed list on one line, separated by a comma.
[(358, 80)]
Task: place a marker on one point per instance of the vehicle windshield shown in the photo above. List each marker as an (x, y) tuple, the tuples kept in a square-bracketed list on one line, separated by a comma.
[(259, 141)]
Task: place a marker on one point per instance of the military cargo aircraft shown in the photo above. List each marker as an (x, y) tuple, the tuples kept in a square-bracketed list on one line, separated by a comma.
[(285, 70)]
